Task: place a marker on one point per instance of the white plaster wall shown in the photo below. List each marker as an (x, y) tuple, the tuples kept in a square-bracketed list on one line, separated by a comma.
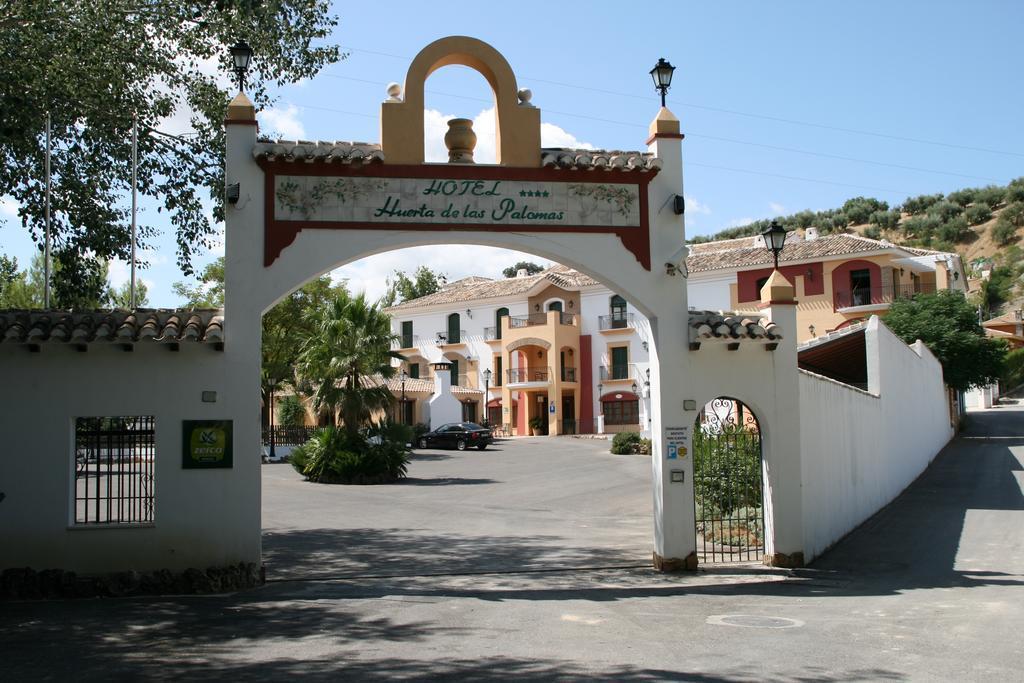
[(202, 517), (596, 303), (426, 325), (710, 292), (861, 449)]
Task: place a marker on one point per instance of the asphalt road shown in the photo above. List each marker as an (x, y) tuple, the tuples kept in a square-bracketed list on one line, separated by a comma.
[(931, 588)]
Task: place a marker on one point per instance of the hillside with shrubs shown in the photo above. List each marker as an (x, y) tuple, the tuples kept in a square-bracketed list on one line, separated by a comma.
[(985, 225)]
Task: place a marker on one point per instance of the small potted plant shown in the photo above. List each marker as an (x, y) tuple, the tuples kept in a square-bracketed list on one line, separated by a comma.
[(537, 425)]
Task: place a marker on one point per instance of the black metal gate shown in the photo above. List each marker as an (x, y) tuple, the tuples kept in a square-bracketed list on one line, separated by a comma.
[(727, 483)]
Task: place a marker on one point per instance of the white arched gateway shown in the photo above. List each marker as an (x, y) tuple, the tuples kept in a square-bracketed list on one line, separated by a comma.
[(305, 208)]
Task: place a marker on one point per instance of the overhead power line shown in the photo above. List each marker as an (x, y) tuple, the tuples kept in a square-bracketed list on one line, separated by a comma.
[(736, 112), (819, 181), (780, 148)]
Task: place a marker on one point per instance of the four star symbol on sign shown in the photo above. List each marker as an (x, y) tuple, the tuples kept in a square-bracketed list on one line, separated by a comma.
[(534, 193)]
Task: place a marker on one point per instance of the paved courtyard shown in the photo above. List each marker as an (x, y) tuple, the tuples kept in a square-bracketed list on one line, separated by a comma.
[(522, 504), (929, 589)]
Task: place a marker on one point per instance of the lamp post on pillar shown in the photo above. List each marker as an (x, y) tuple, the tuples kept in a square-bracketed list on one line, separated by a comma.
[(783, 504), (774, 237)]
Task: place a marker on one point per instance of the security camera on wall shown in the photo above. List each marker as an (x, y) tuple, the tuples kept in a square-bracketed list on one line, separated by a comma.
[(677, 262)]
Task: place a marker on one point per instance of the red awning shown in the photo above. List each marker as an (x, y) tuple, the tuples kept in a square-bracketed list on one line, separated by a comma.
[(494, 403)]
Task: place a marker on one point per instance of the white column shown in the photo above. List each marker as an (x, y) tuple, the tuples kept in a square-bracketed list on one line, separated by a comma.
[(674, 537)]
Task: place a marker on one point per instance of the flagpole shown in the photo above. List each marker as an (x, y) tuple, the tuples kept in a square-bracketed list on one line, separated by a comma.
[(135, 166), (46, 254)]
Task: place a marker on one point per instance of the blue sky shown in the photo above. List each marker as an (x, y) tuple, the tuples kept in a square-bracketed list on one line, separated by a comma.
[(785, 105)]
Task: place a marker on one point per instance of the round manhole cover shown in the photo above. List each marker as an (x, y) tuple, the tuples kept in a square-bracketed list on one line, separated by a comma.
[(753, 621)]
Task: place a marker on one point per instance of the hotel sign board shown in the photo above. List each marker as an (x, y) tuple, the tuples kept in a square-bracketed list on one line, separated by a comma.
[(449, 197)]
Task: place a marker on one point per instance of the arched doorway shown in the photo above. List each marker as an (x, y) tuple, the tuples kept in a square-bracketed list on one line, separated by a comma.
[(728, 483)]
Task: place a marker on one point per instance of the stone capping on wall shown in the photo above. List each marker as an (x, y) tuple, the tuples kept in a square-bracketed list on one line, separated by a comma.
[(731, 327), (591, 159), (112, 326), (837, 382), (310, 151)]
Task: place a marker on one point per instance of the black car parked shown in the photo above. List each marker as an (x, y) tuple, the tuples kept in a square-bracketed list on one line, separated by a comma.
[(461, 435)]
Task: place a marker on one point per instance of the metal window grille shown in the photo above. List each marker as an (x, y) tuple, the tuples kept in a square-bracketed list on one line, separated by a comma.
[(114, 458)]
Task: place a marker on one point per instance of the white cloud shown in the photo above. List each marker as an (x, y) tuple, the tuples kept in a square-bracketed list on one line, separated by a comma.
[(435, 125), (777, 209), (119, 272), (282, 122), (554, 136), (8, 206), (454, 260), (694, 206)]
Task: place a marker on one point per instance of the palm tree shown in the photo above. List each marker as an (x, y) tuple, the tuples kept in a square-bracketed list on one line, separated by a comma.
[(350, 348)]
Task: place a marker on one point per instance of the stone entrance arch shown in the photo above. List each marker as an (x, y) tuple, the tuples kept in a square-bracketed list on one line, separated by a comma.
[(306, 208)]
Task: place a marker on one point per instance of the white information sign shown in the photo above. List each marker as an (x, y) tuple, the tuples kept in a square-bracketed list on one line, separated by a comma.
[(676, 442)]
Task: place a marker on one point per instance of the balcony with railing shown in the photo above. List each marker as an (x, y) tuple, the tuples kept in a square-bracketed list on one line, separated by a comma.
[(447, 339), (406, 341), (528, 375), (619, 320), (568, 374), (492, 334), (614, 373), (878, 297), (534, 319)]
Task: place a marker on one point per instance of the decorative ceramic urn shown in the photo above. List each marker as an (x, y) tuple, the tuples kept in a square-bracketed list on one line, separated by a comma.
[(460, 141)]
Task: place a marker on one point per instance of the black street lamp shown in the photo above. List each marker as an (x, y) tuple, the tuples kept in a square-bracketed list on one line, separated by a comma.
[(241, 55), (774, 240), (487, 391), (662, 75)]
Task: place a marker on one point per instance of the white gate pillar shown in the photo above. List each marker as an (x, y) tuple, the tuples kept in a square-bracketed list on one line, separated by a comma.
[(672, 477), (783, 477), (243, 247)]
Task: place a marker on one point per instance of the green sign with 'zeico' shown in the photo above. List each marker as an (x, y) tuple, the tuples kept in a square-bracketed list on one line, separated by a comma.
[(206, 444)]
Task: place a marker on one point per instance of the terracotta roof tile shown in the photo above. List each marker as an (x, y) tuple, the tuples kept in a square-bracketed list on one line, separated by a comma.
[(598, 159), (750, 251), (731, 327), (106, 326), (473, 288), (1010, 318), (319, 151)]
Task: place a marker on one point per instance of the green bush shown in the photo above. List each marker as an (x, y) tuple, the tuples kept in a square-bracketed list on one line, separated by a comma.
[(418, 430), (727, 468), (918, 205), (978, 213), (945, 210), (1014, 214), (953, 230), (963, 197), (859, 209), (993, 195), (921, 227), (624, 443), (872, 232), (394, 432), (885, 220), (291, 411), (1003, 232), (1013, 375), (334, 457), (1015, 192)]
